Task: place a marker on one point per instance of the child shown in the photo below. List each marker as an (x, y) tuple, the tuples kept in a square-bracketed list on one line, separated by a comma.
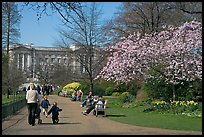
[(37, 114), (55, 112), (45, 104)]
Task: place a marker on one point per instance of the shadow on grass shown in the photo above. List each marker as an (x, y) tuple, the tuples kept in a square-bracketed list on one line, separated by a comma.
[(59, 123), (115, 115)]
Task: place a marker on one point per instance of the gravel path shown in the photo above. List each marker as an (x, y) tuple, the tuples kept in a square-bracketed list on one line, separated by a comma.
[(72, 122)]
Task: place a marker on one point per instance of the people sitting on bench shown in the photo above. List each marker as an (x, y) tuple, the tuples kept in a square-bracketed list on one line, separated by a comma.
[(100, 100), (88, 100)]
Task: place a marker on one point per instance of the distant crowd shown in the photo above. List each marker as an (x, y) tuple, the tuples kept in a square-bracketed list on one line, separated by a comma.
[(45, 89)]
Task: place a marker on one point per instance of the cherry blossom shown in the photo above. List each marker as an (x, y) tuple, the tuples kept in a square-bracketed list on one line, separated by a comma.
[(178, 49)]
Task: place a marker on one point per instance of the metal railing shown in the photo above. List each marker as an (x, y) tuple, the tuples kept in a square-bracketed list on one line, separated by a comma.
[(12, 107)]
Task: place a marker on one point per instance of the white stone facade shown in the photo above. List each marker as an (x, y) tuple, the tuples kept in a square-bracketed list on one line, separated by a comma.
[(27, 58)]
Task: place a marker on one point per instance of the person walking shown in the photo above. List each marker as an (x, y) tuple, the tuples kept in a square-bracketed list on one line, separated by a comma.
[(38, 89), (44, 89), (45, 104), (55, 113), (32, 98)]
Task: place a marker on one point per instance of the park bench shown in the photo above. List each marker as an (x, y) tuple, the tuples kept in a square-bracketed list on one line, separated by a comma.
[(100, 109), (63, 93)]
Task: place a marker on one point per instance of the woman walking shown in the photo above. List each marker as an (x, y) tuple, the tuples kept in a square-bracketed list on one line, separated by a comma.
[(32, 98)]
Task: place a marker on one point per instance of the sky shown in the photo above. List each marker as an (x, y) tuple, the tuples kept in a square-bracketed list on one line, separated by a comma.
[(44, 33)]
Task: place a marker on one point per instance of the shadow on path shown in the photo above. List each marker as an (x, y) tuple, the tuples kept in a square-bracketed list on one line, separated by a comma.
[(59, 123), (115, 115), (64, 117)]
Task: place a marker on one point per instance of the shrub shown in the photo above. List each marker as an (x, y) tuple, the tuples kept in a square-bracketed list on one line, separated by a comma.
[(70, 91), (115, 94), (138, 103), (124, 97), (131, 98), (157, 88), (104, 84), (74, 85), (109, 91), (84, 87), (98, 90), (133, 88), (120, 88)]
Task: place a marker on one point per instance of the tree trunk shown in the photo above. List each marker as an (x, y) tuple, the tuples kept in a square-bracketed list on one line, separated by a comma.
[(91, 86), (174, 93), (8, 29), (8, 93)]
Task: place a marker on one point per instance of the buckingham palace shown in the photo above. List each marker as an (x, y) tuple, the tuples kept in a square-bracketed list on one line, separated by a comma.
[(28, 58)]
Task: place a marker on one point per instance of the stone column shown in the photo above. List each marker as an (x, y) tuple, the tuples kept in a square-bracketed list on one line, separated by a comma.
[(84, 62), (18, 61), (74, 64), (28, 61), (34, 61), (23, 59)]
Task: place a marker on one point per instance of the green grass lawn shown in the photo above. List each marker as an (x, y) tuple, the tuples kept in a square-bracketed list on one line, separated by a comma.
[(136, 116)]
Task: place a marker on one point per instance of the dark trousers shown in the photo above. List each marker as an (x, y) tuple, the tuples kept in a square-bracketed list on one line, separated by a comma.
[(31, 112), (55, 119), (90, 108)]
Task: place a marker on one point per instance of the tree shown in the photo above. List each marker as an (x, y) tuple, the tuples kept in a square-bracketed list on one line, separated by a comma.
[(85, 33), (12, 77), (83, 28), (53, 72), (61, 75), (178, 50), (193, 8), (63, 9), (10, 24), (149, 17)]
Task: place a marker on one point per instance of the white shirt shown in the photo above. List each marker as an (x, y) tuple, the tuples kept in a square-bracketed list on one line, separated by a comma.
[(99, 104), (32, 96)]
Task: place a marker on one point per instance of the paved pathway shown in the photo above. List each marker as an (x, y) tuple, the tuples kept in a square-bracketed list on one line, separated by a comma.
[(72, 122)]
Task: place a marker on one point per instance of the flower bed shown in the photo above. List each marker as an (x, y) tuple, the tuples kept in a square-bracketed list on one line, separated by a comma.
[(189, 108)]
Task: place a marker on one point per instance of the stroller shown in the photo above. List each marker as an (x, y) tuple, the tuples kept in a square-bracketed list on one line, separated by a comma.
[(37, 115)]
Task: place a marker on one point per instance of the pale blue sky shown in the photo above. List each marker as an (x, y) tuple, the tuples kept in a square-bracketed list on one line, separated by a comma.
[(44, 32)]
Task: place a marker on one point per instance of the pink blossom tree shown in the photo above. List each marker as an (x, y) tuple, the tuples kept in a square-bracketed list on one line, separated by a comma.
[(177, 49)]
